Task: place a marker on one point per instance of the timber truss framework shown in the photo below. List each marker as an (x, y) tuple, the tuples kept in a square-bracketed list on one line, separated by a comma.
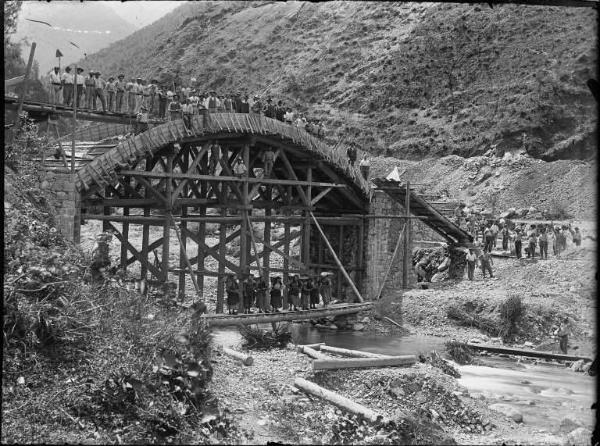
[(199, 181)]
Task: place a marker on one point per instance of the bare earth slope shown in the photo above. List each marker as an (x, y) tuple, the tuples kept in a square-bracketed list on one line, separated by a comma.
[(405, 80)]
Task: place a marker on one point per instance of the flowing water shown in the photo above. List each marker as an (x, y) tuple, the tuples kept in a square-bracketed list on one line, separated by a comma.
[(544, 393)]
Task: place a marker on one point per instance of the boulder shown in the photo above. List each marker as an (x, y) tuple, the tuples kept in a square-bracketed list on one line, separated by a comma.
[(365, 320), (522, 212), (586, 367), (358, 327), (577, 366), (579, 436), (509, 411), (568, 424)]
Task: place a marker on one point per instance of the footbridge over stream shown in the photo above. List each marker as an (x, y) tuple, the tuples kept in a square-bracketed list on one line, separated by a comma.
[(191, 205)]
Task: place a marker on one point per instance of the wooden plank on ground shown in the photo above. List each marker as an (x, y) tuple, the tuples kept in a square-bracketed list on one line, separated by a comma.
[(390, 361), (529, 353)]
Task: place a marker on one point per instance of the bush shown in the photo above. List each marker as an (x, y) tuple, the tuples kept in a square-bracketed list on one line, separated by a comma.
[(472, 319), (511, 312), (259, 339), (459, 352)]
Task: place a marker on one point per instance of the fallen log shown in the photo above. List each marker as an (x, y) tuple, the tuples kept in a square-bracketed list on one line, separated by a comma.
[(392, 321), (351, 353), (333, 363), (313, 346), (246, 359), (313, 353), (340, 401), (529, 353)]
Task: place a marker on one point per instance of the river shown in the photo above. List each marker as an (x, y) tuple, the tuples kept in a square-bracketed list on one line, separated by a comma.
[(544, 393)]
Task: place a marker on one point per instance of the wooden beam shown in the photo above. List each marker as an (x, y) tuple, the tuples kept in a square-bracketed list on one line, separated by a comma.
[(337, 260), (351, 353), (291, 173), (391, 262), (144, 261), (231, 178), (529, 353), (390, 361), (224, 320)]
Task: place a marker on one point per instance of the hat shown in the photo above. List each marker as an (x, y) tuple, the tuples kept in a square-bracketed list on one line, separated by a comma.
[(154, 81), (57, 68), (269, 100), (67, 68), (138, 79), (326, 273), (80, 70), (143, 107), (96, 72), (193, 79), (111, 78), (256, 97)]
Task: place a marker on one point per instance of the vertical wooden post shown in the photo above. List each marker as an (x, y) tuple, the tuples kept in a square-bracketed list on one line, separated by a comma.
[(202, 229), (306, 234), (339, 272), (184, 163), (286, 246), (146, 227), (74, 120), (407, 240), (106, 211), (168, 213), (125, 232), (245, 228), (267, 236), (360, 254), (222, 240), (23, 90)]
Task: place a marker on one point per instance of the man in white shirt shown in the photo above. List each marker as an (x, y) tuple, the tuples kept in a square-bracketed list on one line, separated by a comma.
[(55, 86), (110, 93), (79, 80), (99, 86), (139, 94), (131, 95), (471, 263), (365, 166), (67, 85), (120, 91)]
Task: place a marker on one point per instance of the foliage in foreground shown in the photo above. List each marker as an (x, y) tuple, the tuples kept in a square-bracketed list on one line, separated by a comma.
[(436, 360), (259, 339), (459, 352)]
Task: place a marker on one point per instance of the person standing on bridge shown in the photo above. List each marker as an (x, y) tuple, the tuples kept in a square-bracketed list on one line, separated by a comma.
[(90, 88), (276, 293), (175, 109), (228, 104), (325, 288), (262, 289), (268, 159), (365, 166), (294, 293), (67, 85), (139, 94), (212, 102), (233, 294), (248, 294), (55, 86), (288, 117), (188, 111), (80, 84), (305, 288), (351, 153), (146, 88), (162, 101), (257, 106), (543, 242), (130, 89), (518, 243), (111, 93), (279, 111), (244, 105), (99, 86), (119, 92), (314, 293), (215, 154)]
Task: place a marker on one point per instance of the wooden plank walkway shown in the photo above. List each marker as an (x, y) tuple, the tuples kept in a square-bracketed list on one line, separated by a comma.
[(525, 352), (420, 207), (224, 320)]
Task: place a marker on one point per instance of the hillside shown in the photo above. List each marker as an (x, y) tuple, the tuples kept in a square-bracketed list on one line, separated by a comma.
[(90, 25), (404, 80)]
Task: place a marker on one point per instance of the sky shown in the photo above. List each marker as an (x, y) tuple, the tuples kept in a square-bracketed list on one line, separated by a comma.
[(142, 13)]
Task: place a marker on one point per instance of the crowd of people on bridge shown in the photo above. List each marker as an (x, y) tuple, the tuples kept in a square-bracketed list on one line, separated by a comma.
[(255, 294), (163, 101)]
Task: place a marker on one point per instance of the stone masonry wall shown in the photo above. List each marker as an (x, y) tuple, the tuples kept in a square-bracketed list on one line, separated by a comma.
[(66, 203), (382, 237)]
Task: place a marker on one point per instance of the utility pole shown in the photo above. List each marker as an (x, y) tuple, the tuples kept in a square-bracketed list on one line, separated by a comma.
[(74, 121), (24, 88)]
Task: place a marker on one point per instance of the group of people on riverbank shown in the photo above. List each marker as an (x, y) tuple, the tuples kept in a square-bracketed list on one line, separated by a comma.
[(299, 293)]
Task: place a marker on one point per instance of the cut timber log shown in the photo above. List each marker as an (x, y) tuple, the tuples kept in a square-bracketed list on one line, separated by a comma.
[(246, 359), (322, 364), (300, 348), (351, 353), (530, 353), (337, 399), (313, 353)]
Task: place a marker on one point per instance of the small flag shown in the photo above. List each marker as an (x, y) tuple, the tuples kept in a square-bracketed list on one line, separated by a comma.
[(58, 53)]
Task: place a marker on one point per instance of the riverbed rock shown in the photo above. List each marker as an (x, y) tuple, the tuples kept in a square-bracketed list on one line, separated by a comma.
[(365, 320), (586, 367), (577, 366), (509, 411), (579, 436), (568, 424), (358, 327)]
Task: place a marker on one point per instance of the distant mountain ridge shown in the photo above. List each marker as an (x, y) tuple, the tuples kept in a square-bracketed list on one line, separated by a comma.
[(89, 25), (402, 79)]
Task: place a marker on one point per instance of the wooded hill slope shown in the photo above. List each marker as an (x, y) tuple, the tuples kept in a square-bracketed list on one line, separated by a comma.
[(402, 79)]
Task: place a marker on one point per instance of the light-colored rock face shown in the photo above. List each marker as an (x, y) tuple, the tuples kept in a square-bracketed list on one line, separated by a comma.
[(509, 411), (579, 436)]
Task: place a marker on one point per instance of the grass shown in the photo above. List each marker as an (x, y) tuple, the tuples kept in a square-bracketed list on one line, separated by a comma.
[(459, 352)]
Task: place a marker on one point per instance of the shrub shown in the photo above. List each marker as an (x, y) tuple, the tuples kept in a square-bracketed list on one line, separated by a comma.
[(511, 311), (459, 352), (259, 339)]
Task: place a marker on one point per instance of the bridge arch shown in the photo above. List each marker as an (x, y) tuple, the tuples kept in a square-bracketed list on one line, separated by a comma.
[(171, 190)]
